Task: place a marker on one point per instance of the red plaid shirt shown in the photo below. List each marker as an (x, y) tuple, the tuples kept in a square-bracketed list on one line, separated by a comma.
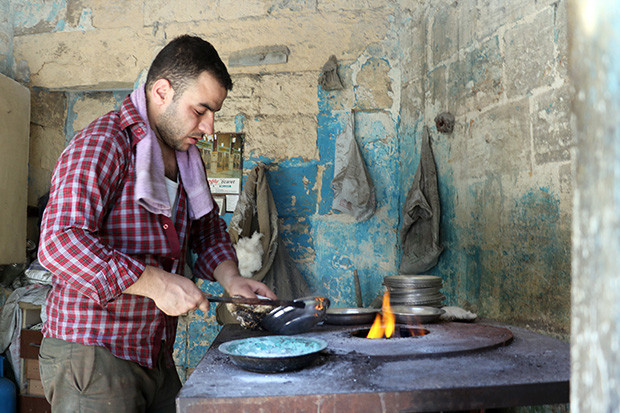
[(96, 240)]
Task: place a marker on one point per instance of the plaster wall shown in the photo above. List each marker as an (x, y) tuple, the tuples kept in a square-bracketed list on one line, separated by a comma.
[(504, 173)]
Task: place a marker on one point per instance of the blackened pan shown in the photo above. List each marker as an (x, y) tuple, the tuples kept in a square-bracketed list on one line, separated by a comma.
[(295, 320)]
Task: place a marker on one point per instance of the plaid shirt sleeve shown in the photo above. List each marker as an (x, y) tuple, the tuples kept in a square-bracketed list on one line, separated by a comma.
[(211, 242), (82, 185)]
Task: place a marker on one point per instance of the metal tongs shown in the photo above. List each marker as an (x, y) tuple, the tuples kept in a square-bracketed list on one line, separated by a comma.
[(257, 301)]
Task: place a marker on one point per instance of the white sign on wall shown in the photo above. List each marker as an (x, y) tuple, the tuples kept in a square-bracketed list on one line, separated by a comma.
[(225, 185)]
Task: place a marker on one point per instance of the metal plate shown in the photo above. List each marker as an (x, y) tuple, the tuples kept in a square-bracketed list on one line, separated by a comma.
[(412, 281), (419, 291), (273, 354), (350, 315), (413, 315), (419, 303), (416, 295)]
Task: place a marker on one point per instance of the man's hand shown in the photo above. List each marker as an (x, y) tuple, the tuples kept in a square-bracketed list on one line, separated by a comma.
[(227, 274), (172, 293)]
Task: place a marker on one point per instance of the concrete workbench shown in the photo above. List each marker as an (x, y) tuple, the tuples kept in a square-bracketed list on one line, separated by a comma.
[(532, 369)]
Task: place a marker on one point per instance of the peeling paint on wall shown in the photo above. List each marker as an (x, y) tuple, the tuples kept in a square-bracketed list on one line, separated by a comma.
[(51, 16), (84, 107), (39, 16)]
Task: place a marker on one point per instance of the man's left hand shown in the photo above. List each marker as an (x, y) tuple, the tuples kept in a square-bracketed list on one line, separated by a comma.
[(227, 274)]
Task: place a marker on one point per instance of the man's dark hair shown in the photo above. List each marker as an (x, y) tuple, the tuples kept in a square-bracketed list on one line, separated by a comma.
[(183, 60)]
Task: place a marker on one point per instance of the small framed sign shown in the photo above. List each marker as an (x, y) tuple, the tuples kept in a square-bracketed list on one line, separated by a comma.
[(222, 154)]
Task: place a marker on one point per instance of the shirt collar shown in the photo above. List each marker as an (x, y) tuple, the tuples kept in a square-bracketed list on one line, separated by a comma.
[(130, 118)]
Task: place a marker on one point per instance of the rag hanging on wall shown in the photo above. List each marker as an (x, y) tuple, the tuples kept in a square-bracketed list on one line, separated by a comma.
[(354, 191), (421, 213), (329, 79)]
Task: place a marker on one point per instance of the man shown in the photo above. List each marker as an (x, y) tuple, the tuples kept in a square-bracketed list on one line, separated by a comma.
[(128, 199)]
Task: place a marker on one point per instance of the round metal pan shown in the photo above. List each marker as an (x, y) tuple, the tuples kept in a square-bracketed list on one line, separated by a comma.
[(350, 315), (413, 315), (273, 354)]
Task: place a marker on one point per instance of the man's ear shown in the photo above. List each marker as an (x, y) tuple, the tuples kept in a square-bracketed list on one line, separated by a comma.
[(161, 92)]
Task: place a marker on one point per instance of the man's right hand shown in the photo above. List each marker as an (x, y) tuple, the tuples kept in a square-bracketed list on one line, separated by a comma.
[(173, 294)]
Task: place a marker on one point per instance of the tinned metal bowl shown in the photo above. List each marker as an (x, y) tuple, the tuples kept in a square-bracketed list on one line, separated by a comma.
[(414, 315), (273, 354), (350, 315)]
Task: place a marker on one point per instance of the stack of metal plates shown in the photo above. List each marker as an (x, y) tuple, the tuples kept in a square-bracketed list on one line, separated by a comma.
[(415, 290)]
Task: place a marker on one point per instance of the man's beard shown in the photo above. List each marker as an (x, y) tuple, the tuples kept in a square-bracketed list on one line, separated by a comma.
[(167, 129)]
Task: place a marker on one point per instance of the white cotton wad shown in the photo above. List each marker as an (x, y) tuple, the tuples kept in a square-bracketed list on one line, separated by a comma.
[(457, 314), (250, 254)]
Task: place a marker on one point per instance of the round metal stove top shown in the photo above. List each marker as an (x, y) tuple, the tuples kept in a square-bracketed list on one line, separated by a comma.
[(445, 338)]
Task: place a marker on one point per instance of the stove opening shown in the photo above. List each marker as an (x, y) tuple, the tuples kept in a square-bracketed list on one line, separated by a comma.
[(399, 332)]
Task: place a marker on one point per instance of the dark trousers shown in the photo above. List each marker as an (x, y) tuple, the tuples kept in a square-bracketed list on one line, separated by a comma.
[(79, 378)]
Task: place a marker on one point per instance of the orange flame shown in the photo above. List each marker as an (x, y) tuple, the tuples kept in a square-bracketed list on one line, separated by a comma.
[(320, 303), (383, 325), (377, 329)]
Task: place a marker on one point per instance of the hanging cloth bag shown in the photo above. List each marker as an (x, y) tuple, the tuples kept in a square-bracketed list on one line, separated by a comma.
[(354, 191), (421, 213)]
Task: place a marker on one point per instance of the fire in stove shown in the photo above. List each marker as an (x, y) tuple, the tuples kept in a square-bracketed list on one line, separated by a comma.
[(384, 325)]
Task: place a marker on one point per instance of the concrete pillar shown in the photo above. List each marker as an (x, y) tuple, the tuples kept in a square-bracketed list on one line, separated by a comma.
[(6, 39), (594, 27)]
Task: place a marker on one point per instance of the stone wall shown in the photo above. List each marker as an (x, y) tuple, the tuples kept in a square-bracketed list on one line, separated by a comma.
[(504, 173)]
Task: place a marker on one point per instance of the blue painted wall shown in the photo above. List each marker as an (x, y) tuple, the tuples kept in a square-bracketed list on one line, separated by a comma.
[(326, 245)]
